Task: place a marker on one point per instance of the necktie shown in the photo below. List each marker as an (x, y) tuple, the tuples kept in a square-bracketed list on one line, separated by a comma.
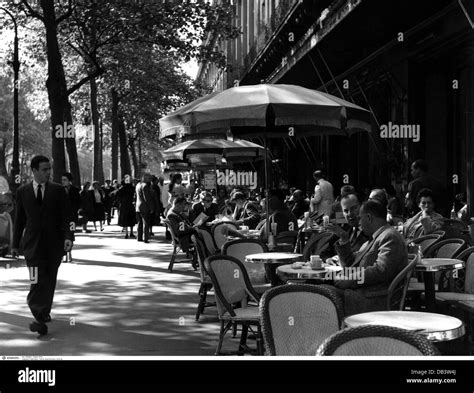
[(354, 234), (39, 196)]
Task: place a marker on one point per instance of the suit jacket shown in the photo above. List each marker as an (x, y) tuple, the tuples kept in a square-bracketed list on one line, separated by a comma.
[(145, 202), (382, 259), (182, 227), (41, 230)]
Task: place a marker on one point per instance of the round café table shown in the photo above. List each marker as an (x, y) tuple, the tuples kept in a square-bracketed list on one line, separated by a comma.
[(288, 272), (435, 327), (429, 266), (272, 260)]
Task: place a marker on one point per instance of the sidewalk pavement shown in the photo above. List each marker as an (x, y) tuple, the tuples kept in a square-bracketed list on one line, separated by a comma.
[(116, 298)]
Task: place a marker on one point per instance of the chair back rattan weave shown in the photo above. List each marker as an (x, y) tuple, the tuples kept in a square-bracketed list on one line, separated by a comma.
[(375, 340), (240, 249), (398, 288), (231, 283), (297, 318)]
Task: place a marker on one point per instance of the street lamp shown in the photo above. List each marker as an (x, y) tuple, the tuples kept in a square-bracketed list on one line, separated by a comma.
[(16, 68)]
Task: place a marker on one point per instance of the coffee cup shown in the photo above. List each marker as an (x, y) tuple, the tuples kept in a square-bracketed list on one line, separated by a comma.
[(316, 262)]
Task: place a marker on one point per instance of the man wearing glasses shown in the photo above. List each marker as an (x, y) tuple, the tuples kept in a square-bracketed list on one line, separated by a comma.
[(205, 206)]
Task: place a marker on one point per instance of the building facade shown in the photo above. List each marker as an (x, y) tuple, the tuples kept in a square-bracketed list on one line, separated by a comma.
[(410, 63)]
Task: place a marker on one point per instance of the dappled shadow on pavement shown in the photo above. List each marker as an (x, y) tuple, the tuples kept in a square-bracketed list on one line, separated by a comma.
[(116, 298)]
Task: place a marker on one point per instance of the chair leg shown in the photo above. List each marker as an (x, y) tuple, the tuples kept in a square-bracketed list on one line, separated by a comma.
[(260, 348), (194, 261), (221, 337), (243, 339), (202, 300), (170, 267), (234, 330)]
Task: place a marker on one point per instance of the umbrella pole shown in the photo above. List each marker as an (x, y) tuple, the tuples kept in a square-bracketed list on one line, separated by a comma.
[(215, 171), (267, 224)]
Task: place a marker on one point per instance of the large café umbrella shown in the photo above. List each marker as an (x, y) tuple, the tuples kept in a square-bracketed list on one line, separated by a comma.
[(270, 111), (220, 147), (202, 153)]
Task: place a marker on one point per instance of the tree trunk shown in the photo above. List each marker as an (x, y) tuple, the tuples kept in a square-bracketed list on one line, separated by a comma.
[(72, 153), (3, 168), (57, 90), (114, 136), (98, 169), (125, 167), (136, 168)]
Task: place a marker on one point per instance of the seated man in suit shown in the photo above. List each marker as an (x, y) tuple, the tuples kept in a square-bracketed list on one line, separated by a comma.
[(352, 231), (246, 213), (280, 215), (205, 206), (378, 261), (300, 205), (182, 227)]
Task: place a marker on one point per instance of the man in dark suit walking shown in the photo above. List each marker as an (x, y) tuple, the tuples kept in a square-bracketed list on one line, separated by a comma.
[(44, 214), (145, 208)]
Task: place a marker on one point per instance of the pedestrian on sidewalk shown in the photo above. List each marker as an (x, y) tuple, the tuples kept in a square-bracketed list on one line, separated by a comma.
[(98, 203), (74, 196), (124, 197), (108, 200), (87, 206), (158, 208), (145, 208), (45, 215)]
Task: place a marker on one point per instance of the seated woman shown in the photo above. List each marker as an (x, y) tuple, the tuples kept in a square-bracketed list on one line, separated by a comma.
[(427, 218)]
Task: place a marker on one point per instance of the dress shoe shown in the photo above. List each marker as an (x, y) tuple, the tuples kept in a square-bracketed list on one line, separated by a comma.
[(126, 236), (41, 328), (132, 236), (146, 241)]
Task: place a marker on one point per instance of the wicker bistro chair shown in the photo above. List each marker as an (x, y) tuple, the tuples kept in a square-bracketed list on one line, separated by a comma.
[(206, 283), (208, 242), (425, 242), (398, 288), (297, 318), (232, 288), (177, 248), (439, 249), (375, 340), (240, 249), (456, 229), (464, 284), (219, 232), (261, 224)]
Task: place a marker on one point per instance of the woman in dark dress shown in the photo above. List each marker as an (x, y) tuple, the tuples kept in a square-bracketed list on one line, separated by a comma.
[(124, 197), (87, 206)]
